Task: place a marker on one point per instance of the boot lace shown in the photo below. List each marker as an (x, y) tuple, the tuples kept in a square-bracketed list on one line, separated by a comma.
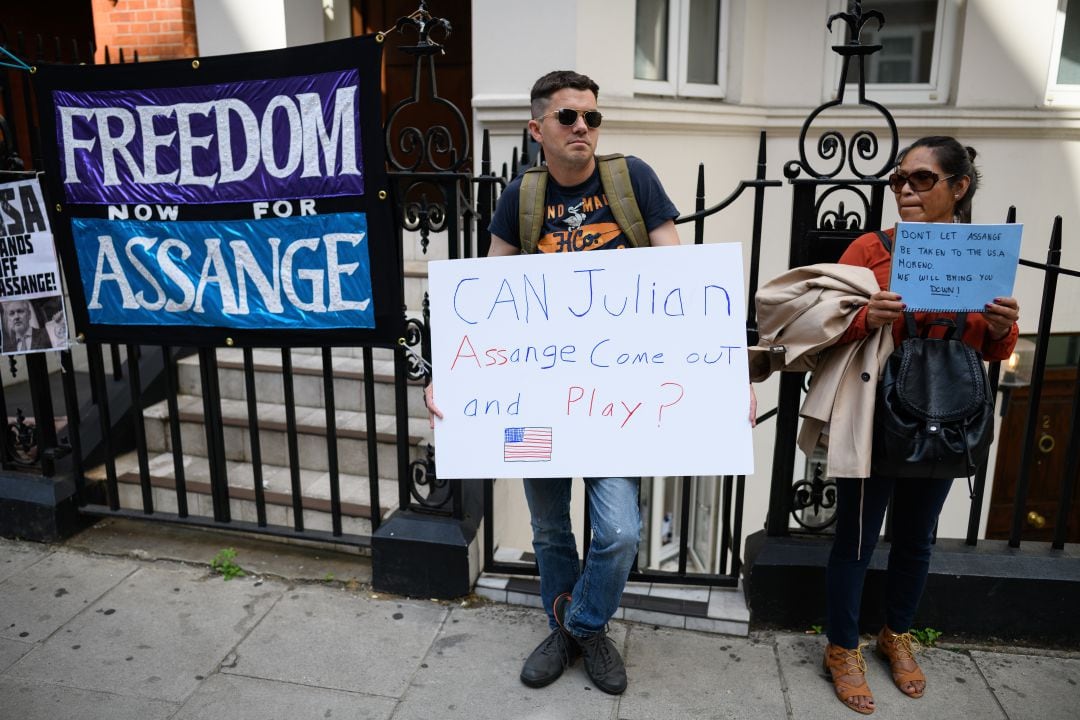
[(556, 644), (599, 648)]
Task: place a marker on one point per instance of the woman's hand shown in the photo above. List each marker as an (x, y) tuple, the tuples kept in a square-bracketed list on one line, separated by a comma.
[(1000, 316), (884, 308), (429, 403), (753, 407)]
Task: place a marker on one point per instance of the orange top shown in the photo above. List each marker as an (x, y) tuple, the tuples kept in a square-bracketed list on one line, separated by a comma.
[(869, 252)]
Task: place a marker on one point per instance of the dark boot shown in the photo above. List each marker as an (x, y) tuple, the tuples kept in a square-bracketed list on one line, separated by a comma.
[(549, 659), (603, 662)]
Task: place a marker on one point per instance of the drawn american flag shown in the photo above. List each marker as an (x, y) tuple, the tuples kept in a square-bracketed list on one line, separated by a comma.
[(527, 444)]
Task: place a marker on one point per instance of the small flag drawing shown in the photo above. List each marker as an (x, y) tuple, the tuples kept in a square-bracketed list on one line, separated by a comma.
[(527, 444)]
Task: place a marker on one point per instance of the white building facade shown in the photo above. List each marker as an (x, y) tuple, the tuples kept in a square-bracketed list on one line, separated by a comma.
[(685, 82)]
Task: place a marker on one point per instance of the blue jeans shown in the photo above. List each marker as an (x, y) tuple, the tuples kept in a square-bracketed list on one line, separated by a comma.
[(616, 527), (916, 506)]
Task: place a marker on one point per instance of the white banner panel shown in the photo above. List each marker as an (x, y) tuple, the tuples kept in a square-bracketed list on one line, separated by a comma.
[(592, 364)]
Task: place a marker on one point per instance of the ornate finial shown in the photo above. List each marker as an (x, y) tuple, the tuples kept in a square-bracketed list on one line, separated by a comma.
[(425, 23), (855, 20)]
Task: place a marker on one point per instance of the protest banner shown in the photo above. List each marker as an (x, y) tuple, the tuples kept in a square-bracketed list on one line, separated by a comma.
[(32, 316), (227, 199), (954, 267), (592, 364)]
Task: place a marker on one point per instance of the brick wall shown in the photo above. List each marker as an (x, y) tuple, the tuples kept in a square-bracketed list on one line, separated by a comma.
[(158, 29)]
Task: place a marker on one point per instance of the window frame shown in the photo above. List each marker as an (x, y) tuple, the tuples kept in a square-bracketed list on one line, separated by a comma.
[(1058, 95), (937, 91), (678, 50)]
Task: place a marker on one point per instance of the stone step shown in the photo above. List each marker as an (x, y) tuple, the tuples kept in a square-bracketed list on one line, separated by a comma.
[(690, 607), (277, 492), (307, 374), (273, 440)]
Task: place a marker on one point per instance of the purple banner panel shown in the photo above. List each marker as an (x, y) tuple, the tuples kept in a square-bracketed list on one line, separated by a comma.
[(231, 142)]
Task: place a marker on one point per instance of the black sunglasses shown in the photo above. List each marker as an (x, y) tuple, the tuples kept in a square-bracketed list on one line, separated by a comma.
[(920, 180), (569, 116)]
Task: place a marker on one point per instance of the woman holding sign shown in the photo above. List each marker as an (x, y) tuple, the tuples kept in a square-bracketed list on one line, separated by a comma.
[(934, 182)]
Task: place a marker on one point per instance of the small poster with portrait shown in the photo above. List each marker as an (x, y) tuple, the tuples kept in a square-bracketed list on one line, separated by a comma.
[(954, 267), (32, 316)]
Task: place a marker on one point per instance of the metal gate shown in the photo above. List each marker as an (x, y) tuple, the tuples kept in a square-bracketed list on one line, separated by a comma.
[(435, 192)]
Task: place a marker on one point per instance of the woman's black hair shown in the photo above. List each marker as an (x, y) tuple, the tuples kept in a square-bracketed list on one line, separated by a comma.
[(956, 160)]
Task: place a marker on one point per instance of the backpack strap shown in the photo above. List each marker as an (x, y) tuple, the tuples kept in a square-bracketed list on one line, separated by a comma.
[(884, 241), (531, 207), (615, 179), (909, 325), (961, 320)]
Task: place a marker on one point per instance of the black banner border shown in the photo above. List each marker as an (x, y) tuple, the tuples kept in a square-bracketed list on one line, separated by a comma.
[(385, 252)]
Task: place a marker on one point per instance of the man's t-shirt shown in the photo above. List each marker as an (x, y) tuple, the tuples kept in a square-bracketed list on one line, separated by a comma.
[(579, 218)]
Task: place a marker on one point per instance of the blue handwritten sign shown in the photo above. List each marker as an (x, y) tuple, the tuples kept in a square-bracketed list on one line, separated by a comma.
[(953, 267)]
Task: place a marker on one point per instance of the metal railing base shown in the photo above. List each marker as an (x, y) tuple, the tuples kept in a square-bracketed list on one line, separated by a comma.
[(423, 555), (42, 509), (986, 592)]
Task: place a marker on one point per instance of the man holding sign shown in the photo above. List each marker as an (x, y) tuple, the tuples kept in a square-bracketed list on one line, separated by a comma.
[(579, 202)]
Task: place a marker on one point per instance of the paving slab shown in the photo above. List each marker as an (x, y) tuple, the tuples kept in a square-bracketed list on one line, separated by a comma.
[(679, 674), (472, 672), (35, 700), (1033, 686), (149, 540), (953, 682), (332, 638), (155, 635), (17, 556), (43, 596), (241, 698), (10, 651)]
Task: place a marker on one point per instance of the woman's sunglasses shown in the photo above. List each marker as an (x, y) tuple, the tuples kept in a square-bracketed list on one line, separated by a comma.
[(920, 180), (569, 116)]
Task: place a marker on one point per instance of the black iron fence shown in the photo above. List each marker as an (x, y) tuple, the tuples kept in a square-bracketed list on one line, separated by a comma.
[(435, 193)]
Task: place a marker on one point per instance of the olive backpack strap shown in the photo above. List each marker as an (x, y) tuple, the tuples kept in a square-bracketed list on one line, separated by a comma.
[(615, 179), (531, 207)]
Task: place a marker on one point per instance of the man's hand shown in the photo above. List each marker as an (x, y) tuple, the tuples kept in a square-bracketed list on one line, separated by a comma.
[(429, 403)]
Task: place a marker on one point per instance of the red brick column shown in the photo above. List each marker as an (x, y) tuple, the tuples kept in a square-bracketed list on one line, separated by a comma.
[(158, 29)]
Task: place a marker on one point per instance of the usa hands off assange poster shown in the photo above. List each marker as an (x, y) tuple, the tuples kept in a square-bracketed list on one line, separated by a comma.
[(228, 199), (32, 315)]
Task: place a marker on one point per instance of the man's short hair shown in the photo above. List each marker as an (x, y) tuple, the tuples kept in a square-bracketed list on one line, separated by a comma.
[(556, 80)]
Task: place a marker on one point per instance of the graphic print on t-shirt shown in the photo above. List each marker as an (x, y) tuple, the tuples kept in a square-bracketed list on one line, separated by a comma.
[(587, 224)]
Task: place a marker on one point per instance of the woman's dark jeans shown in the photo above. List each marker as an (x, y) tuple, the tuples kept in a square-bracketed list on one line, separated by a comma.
[(916, 505)]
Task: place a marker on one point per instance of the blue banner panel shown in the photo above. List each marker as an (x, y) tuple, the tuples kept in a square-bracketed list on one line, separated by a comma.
[(302, 273), (239, 141)]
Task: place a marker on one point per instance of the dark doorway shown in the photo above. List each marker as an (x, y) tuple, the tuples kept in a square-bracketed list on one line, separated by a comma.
[(1051, 443)]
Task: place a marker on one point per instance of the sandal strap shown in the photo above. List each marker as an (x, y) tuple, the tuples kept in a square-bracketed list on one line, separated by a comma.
[(896, 648), (900, 646), (840, 662)]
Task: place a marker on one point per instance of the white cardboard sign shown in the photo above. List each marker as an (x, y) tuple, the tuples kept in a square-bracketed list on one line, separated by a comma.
[(592, 364)]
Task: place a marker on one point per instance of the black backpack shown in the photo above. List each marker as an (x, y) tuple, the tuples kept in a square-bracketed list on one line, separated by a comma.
[(934, 416)]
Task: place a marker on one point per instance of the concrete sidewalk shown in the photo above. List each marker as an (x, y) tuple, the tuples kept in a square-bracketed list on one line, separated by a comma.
[(126, 621)]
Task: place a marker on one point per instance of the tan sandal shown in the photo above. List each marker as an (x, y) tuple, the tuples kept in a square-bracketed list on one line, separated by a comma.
[(897, 648), (840, 662)]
